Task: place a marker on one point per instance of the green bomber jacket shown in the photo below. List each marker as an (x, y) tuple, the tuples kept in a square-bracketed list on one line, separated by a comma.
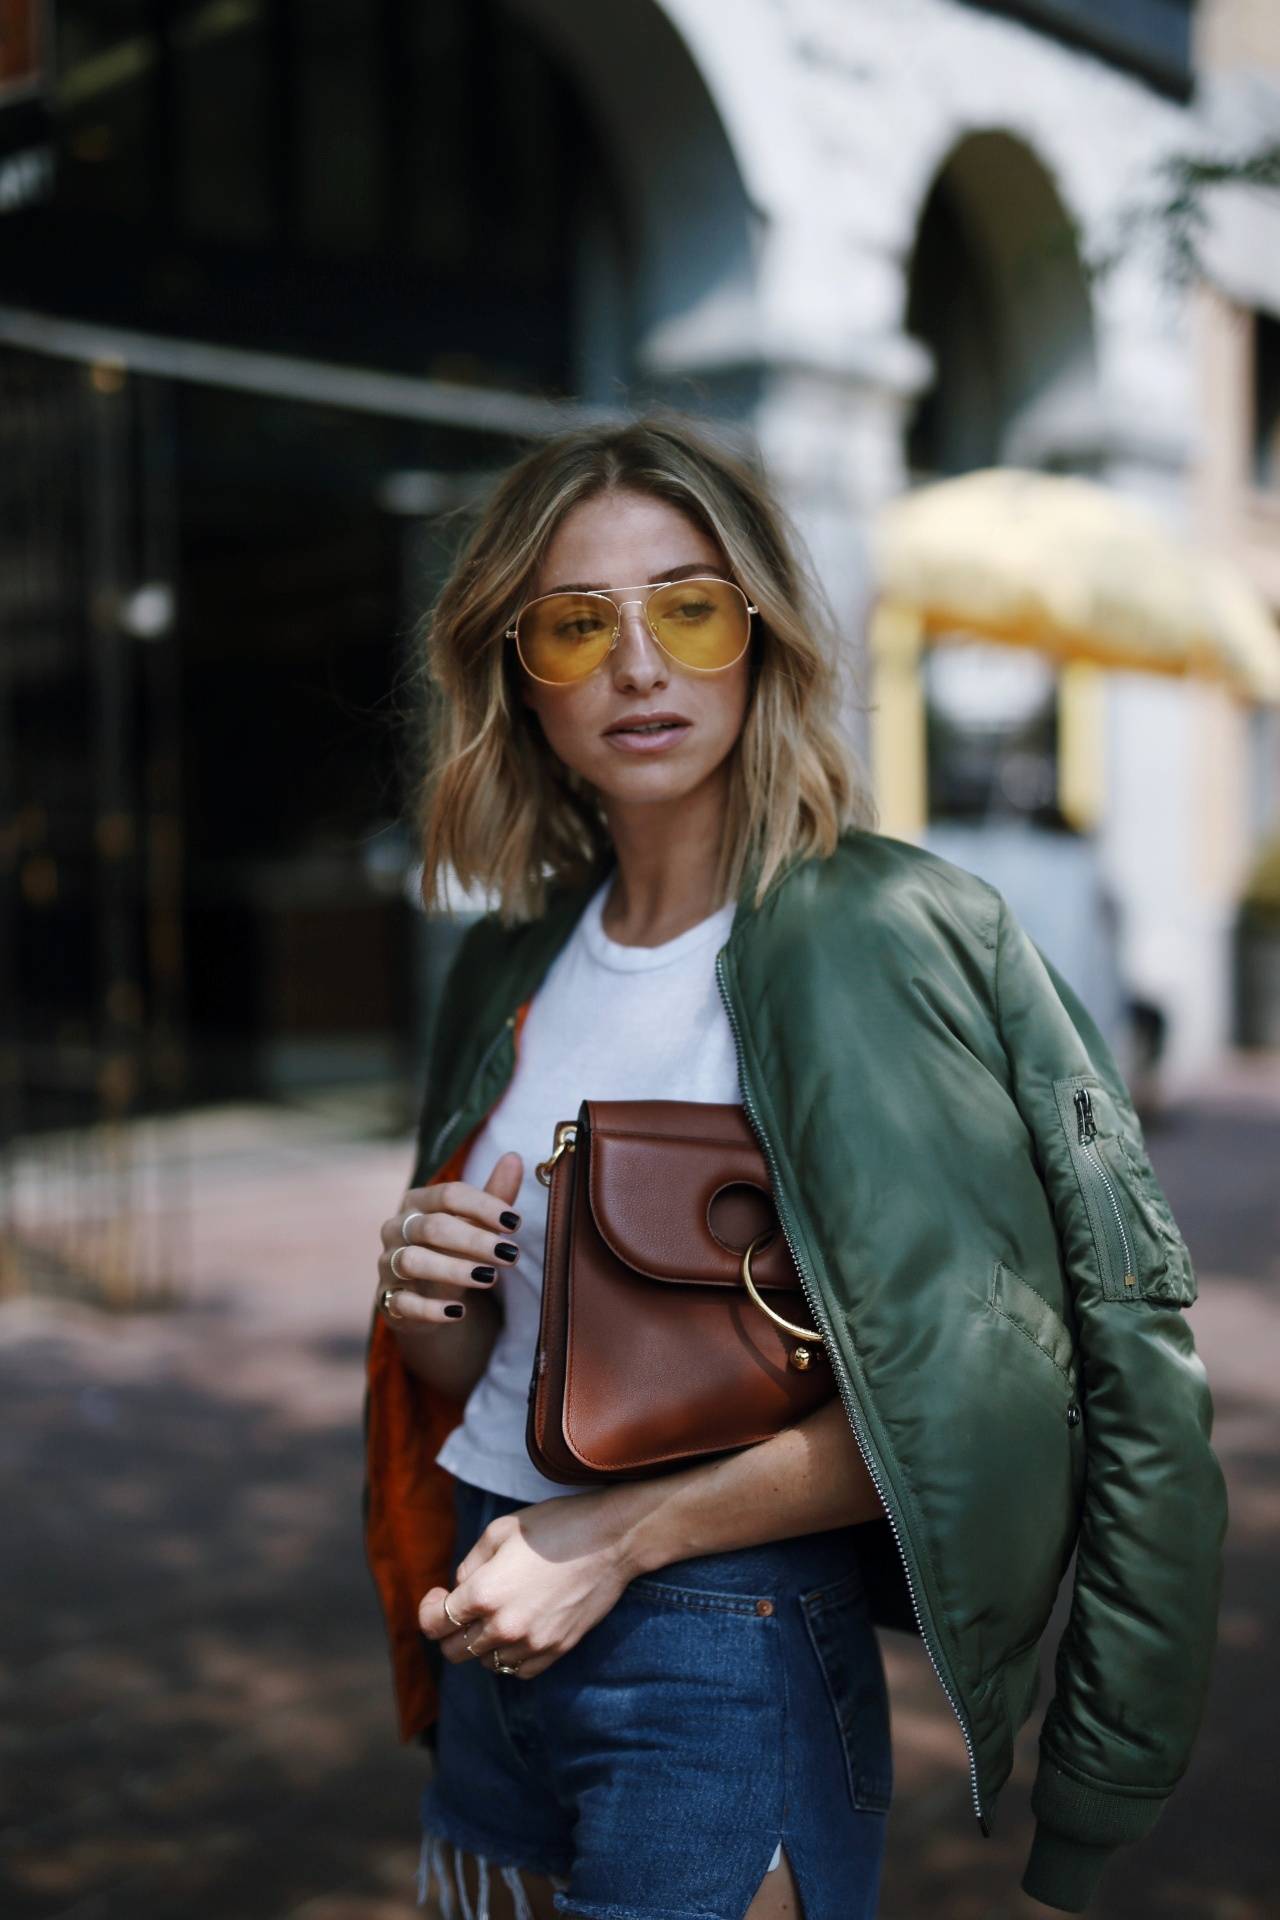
[(1002, 1289)]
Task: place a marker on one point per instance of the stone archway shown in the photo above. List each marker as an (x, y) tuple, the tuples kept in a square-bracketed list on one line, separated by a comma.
[(998, 294), (678, 297)]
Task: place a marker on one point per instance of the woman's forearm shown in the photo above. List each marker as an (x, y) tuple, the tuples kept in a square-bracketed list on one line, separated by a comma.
[(805, 1479), (451, 1355)]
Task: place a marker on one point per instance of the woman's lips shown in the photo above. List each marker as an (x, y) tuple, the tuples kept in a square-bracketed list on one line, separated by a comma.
[(651, 741)]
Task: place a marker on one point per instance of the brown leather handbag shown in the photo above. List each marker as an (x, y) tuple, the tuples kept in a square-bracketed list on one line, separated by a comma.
[(674, 1325)]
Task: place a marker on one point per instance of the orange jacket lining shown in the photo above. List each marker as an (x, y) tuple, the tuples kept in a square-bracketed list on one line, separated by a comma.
[(408, 1496)]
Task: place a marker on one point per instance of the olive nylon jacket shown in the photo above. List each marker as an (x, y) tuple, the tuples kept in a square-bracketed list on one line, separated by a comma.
[(1002, 1287)]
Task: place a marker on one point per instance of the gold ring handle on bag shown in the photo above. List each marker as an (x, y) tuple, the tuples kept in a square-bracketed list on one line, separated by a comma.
[(800, 1356)]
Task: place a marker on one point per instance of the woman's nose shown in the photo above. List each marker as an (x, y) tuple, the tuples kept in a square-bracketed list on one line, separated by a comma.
[(637, 654)]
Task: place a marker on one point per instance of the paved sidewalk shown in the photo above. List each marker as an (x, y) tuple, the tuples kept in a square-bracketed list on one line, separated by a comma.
[(197, 1716), (196, 1712)]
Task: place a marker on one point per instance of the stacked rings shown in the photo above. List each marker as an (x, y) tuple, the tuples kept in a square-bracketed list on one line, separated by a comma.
[(499, 1666), (388, 1294)]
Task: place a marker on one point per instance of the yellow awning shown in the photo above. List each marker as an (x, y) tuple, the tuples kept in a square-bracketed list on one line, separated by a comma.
[(1075, 570)]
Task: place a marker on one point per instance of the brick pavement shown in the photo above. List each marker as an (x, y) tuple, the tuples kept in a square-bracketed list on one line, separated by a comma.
[(196, 1706)]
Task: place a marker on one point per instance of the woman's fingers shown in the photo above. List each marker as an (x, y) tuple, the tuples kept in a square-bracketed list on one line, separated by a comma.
[(456, 1643), (475, 1639), (486, 1627), (410, 1305), (441, 1623), (513, 1653), (510, 1652), (536, 1663), (447, 1249), (422, 1266), (449, 1233), (489, 1211)]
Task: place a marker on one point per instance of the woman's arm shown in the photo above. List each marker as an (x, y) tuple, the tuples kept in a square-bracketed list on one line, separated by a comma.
[(808, 1477), (538, 1578)]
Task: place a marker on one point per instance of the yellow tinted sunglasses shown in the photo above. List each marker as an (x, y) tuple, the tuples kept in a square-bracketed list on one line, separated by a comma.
[(703, 624)]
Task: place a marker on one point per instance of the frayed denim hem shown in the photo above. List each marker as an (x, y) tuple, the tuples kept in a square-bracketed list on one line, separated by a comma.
[(431, 1866)]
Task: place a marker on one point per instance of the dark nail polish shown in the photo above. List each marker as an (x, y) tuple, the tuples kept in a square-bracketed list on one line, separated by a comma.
[(506, 1250), (509, 1219), (487, 1274), (455, 1309)]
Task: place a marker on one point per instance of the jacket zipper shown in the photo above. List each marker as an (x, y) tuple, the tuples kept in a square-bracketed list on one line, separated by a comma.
[(433, 1157), (847, 1394), (1086, 1134)]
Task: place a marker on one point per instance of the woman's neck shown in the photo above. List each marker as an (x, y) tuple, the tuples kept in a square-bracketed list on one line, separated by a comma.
[(664, 880)]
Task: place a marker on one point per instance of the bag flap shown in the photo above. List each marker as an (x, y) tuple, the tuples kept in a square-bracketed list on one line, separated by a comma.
[(678, 1190)]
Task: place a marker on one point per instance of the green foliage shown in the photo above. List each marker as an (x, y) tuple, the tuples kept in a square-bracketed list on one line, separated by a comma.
[(1178, 213)]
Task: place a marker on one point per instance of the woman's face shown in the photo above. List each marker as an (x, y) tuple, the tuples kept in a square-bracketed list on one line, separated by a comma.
[(625, 539)]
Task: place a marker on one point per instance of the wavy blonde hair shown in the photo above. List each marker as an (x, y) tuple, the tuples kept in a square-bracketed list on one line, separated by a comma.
[(498, 807)]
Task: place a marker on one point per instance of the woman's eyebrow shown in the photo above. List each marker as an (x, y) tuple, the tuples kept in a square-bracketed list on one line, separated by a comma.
[(691, 569)]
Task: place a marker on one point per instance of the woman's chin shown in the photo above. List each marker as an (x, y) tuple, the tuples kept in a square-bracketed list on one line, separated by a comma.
[(656, 790)]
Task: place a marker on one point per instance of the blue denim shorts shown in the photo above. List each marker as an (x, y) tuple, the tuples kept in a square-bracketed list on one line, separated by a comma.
[(725, 1707)]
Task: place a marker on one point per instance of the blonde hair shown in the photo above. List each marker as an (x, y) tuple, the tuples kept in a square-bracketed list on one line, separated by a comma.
[(497, 806)]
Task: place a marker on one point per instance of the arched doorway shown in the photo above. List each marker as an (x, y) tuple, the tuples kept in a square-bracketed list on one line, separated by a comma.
[(687, 211), (1008, 746), (997, 293)]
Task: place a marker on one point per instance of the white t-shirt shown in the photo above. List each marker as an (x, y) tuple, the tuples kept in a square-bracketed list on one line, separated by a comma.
[(609, 1022)]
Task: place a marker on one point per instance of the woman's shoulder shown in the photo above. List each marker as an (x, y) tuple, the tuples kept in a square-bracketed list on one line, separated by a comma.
[(897, 882)]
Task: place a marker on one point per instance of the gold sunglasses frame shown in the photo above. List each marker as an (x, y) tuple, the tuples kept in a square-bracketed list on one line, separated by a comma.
[(645, 593)]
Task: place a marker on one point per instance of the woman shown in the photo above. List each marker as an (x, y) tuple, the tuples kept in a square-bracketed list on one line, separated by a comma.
[(666, 1697)]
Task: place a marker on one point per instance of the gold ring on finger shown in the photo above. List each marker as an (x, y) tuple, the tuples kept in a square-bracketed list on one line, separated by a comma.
[(500, 1665), (385, 1298), (394, 1268)]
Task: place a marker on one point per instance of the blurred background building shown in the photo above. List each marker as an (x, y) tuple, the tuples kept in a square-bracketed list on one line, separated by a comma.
[(282, 285)]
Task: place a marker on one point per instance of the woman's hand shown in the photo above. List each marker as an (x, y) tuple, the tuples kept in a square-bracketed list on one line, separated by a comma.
[(454, 1234), (533, 1583), (537, 1579), (444, 1240)]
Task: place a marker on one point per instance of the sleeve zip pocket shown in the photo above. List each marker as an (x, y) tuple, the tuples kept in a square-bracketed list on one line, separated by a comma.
[(1141, 1253)]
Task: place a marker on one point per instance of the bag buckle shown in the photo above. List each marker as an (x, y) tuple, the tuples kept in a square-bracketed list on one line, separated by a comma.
[(566, 1135)]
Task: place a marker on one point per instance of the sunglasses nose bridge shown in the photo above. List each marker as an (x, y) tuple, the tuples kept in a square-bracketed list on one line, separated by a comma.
[(635, 600), (639, 601)]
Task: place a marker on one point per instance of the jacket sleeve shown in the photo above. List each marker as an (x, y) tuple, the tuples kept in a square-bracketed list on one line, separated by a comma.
[(1131, 1671)]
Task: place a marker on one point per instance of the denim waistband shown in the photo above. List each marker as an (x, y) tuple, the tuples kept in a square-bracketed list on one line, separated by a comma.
[(789, 1565)]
